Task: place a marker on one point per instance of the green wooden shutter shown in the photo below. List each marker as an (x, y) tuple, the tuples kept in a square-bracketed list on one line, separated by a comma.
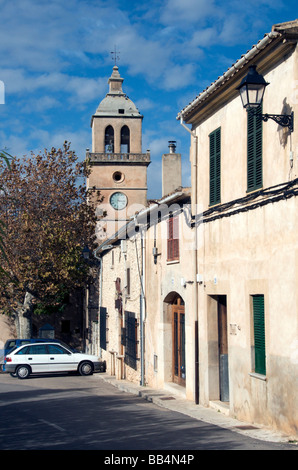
[(214, 155), (259, 334), (254, 150), (173, 238)]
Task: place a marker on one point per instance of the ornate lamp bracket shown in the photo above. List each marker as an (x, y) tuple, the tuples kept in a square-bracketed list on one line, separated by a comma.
[(283, 120)]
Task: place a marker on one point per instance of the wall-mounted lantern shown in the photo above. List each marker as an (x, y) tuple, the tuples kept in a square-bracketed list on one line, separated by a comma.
[(252, 89)]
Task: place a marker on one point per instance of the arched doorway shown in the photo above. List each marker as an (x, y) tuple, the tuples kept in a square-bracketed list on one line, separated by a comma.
[(176, 317)]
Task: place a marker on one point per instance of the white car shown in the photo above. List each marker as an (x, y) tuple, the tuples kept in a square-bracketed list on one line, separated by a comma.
[(50, 357)]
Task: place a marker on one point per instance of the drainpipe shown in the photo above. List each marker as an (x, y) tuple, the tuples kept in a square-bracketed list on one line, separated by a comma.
[(194, 206), (100, 263), (100, 267), (142, 312), (100, 303)]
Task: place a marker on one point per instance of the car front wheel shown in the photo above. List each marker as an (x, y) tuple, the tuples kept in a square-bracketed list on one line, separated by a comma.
[(23, 372), (86, 368)]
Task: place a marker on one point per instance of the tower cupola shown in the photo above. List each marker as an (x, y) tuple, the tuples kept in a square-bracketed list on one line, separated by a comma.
[(116, 103), (115, 82)]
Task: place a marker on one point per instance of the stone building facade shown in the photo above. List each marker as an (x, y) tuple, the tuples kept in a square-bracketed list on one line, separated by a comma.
[(199, 289), (146, 316), (245, 189)]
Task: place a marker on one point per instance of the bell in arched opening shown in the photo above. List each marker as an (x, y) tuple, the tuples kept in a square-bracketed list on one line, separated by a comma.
[(125, 140), (109, 139)]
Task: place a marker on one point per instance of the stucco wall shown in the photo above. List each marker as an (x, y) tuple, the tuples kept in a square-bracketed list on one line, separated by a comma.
[(163, 280), (252, 252), (7, 330), (115, 264)]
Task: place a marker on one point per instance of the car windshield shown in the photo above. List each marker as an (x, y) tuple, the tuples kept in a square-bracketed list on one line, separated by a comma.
[(10, 344)]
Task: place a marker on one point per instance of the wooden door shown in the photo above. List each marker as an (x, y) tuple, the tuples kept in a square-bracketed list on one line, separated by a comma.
[(178, 321), (223, 348)]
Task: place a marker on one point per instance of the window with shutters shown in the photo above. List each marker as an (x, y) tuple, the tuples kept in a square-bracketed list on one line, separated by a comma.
[(129, 339), (254, 149), (259, 334), (173, 238), (214, 166)]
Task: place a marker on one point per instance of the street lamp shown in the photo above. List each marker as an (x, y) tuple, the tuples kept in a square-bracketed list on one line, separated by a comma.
[(86, 252), (252, 89)]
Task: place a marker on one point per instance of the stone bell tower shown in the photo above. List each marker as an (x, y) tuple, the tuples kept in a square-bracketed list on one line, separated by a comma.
[(119, 168)]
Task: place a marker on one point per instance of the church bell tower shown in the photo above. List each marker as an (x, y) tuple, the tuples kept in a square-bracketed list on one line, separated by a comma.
[(118, 166)]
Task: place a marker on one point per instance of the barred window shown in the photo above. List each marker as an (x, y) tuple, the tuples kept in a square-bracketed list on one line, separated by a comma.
[(130, 339), (103, 327)]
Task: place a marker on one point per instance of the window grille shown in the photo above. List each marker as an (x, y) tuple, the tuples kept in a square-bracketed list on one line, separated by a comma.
[(103, 327)]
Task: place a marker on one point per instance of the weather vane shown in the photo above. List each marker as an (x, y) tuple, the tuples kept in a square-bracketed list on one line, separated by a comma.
[(115, 55)]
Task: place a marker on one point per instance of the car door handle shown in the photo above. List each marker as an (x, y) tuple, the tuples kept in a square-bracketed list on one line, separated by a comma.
[(52, 358), (30, 358)]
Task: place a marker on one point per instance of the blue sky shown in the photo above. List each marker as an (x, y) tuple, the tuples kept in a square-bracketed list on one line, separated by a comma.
[(55, 63)]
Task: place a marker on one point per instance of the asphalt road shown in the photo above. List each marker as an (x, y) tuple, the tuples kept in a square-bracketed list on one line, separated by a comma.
[(70, 412)]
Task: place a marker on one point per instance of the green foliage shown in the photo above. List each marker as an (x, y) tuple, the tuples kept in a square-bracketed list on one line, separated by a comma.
[(48, 218), (54, 304), (6, 157)]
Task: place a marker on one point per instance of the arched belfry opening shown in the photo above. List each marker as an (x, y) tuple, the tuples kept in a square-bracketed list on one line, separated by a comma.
[(109, 139), (125, 139)]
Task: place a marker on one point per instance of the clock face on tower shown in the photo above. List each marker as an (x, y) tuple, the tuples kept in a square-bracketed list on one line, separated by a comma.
[(118, 201)]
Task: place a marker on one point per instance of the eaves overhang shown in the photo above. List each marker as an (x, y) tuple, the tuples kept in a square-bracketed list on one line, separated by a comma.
[(141, 218), (265, 53)]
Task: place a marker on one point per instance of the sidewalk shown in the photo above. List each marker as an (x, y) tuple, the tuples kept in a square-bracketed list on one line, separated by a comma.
[(174, 402)]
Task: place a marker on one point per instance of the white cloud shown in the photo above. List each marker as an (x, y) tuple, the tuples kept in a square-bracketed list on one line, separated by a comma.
[(55, 56), (41, 105), (81, 89), (189, 11), (204, 37), (144, 104), (179, 76)]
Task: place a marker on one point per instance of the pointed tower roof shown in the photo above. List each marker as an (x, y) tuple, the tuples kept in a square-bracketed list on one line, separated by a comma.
[(116, 102)]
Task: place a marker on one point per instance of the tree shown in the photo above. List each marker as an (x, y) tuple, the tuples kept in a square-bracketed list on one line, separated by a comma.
[(48, 217), (6, 157)]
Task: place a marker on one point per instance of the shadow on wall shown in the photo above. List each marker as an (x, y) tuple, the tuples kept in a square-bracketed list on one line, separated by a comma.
[(7, 330), (284, 132)]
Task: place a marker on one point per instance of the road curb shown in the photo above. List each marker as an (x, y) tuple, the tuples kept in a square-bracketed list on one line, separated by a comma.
[(173, 402)]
